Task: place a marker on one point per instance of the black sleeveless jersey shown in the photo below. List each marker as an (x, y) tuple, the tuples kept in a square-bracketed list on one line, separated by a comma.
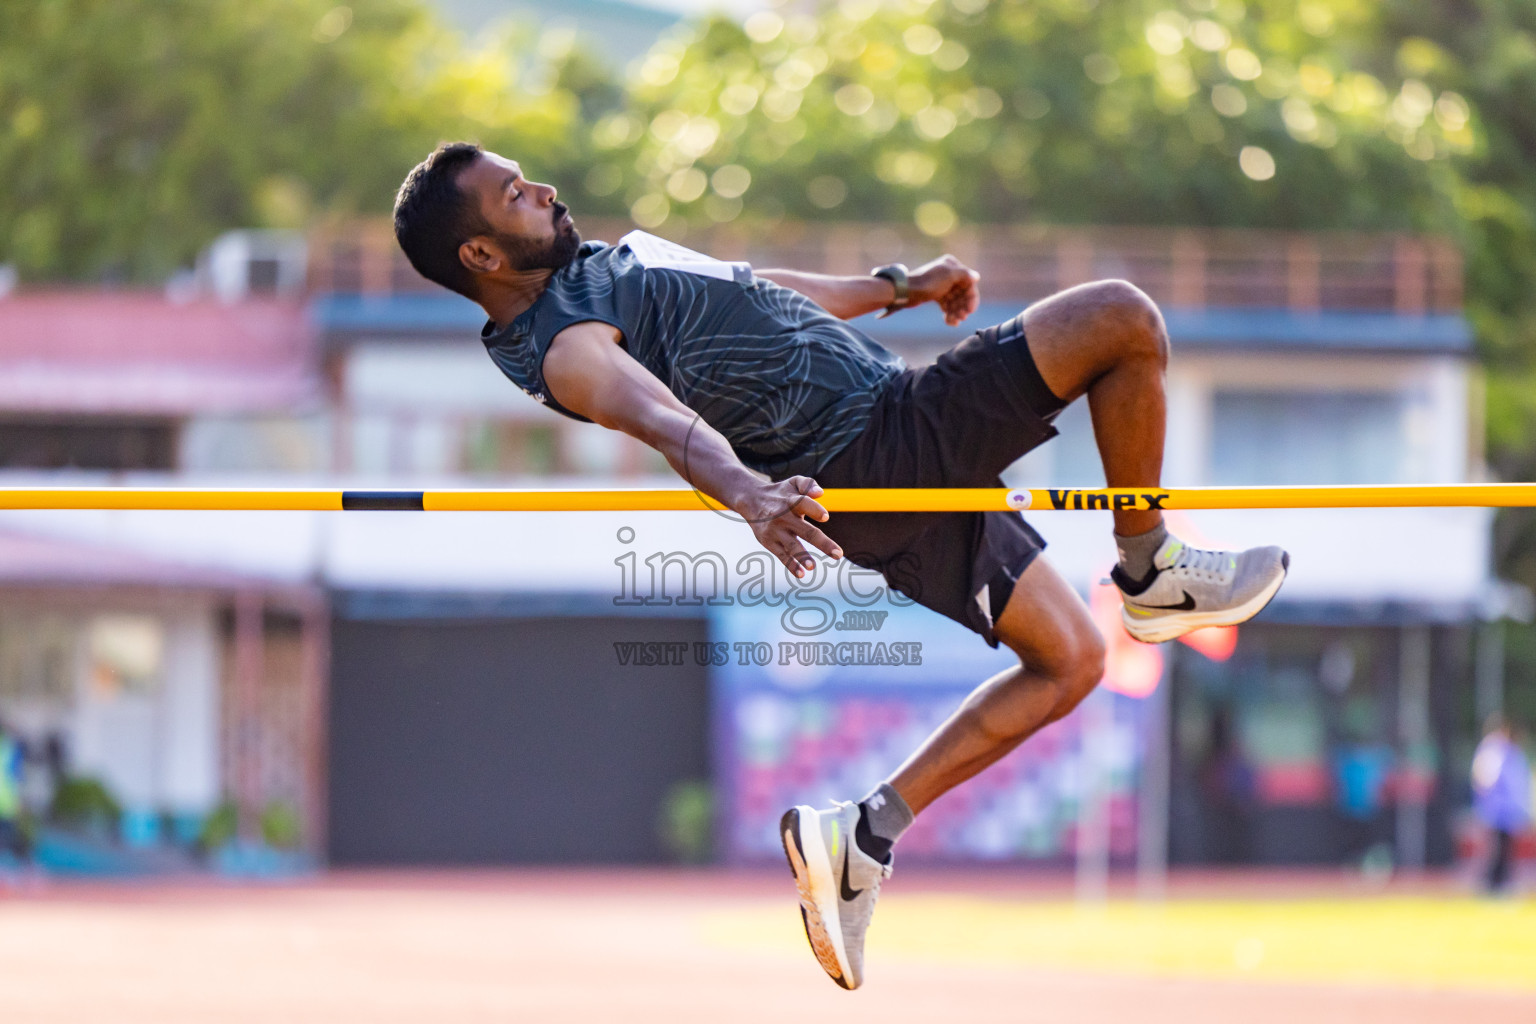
[(785, 382)]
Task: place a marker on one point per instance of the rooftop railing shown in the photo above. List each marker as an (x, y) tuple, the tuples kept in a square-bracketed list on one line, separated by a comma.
[(1191, 268)]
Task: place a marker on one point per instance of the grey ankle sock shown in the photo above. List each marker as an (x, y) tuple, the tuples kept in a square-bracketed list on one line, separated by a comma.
[(1136, 552), (888, 816)]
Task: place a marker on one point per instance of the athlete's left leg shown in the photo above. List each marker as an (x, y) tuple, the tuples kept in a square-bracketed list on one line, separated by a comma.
[(1061, 658)]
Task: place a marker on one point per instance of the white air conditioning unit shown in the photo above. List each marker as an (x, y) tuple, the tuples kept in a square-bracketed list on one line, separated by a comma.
[(243, 264)]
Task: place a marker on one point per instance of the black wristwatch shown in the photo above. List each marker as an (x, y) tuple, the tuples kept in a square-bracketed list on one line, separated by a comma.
[(896, 273)]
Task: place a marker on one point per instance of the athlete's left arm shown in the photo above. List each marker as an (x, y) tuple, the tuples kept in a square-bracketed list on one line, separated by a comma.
[(946, 281)]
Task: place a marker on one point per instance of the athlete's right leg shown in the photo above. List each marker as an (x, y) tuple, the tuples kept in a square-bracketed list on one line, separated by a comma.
[(1061, 658), (1107, 341)]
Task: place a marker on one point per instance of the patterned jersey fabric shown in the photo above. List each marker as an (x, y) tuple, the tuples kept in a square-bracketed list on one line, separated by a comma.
[(785, 382)]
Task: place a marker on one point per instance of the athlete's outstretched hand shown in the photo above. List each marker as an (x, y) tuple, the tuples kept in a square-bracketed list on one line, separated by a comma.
[(950, 283), (779, 512)]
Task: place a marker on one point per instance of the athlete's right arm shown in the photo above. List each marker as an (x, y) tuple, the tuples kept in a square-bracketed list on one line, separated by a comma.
[(588, 372)]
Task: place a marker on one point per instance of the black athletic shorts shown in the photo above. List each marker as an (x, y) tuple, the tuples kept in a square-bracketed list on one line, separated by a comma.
[(958, 422)]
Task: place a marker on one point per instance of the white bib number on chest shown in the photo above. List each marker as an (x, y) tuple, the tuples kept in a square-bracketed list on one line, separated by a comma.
[(659, 254)]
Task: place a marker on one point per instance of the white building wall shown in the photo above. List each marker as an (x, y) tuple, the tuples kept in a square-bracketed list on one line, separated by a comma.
[(1434, 391), (441, 377), (1189, 425), (188, 713), (154, 750)]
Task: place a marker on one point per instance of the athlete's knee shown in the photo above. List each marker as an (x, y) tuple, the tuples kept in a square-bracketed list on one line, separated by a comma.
[(1075, 667), (1138, 322), (1071, 664), (1083, 678)]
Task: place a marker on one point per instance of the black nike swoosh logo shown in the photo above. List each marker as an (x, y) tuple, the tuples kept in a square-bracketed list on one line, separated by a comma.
[(848, 895), (1186, 605)]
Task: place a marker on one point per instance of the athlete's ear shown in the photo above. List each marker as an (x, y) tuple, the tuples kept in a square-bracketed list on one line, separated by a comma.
[(478, 255)]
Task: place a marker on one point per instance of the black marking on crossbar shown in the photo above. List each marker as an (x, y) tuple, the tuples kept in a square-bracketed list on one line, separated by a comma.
[(382, 501)]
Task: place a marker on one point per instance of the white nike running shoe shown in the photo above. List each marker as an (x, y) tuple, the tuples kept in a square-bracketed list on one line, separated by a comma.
[(1193, 588), (838, 882)]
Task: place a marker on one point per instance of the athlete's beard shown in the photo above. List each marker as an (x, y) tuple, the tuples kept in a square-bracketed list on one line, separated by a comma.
[(543, 255)]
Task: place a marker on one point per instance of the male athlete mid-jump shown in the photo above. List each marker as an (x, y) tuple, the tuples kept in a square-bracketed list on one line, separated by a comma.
[(751, 384)]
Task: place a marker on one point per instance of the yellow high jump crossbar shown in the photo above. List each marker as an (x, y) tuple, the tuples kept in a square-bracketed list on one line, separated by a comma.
[(917, 499)]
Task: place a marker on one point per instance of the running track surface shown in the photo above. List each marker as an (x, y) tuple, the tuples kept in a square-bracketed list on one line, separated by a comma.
[(644, 946)]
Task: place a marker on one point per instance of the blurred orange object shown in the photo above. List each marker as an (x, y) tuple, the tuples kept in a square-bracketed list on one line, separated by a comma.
[(1131, 668), (1215, 642)]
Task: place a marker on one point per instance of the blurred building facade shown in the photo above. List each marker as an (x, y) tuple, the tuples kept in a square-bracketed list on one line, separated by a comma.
[(170, 682), (420, 653)]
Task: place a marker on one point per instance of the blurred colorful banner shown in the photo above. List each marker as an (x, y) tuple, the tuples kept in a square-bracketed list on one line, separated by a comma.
[(786, 732)]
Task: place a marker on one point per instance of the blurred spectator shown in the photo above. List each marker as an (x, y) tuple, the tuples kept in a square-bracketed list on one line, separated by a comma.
[(13, 839), (55, 761), (1501, 789), (1230, 785), (1361, 772)]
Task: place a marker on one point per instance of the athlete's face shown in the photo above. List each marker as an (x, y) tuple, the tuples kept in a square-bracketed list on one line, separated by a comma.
[(529, 228)]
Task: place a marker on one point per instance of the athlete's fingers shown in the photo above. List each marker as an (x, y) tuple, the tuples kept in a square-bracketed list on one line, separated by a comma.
[(962, 299), (799, 530), (769, 537), (795, 558), (814, 537), (955, 308), (804, 506), (782, 552), (968, 293)]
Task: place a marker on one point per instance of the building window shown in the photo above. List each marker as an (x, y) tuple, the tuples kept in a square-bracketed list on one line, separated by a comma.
[(37, 659), (87, 444), (1273, 437), (127, 654), (503, 447), (263, 444)]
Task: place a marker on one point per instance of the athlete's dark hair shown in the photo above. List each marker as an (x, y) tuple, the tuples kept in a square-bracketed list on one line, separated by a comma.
[(433, 217)]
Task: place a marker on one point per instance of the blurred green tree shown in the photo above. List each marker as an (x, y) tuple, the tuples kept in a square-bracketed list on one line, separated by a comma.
[(1485, 50), (1198, 112), (133, 132)]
